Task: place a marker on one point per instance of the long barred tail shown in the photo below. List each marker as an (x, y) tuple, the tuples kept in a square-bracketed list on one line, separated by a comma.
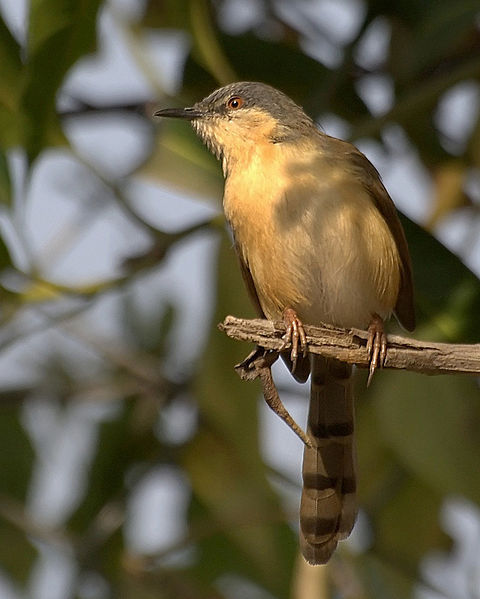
[(328, 506)]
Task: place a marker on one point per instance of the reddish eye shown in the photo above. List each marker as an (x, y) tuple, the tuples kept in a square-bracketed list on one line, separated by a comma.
[(235, 102)]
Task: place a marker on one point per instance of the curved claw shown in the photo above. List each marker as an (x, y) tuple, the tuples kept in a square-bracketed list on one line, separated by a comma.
[(294, 336), (376, 346)]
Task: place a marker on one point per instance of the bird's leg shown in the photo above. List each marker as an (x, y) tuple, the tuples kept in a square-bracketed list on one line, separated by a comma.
[(376, 345), (294, 336)]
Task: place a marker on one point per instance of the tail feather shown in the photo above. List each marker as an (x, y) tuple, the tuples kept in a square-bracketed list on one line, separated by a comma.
[(328, 506)]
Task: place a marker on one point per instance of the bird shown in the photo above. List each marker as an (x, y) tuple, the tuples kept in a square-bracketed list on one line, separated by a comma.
[(319, 241)]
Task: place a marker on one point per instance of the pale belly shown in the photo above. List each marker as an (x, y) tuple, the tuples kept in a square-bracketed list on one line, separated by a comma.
[(333, 262)]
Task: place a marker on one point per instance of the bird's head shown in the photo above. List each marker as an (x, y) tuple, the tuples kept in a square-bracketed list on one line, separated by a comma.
[(244, 114)]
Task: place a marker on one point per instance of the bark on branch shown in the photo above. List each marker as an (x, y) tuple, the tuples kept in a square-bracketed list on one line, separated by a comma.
[(349, 345)]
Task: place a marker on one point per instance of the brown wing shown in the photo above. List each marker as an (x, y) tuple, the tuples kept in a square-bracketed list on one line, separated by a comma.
[(404, 309), (250, 285), (302, 368)]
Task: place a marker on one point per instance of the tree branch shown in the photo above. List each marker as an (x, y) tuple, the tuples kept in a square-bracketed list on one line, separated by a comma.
[(349, 345)]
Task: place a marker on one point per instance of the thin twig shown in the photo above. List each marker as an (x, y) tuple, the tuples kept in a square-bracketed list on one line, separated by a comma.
[(258, 364), (349, 345)]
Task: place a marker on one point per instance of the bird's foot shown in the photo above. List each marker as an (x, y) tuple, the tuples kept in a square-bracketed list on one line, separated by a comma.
[(376, 345), (294, 336)]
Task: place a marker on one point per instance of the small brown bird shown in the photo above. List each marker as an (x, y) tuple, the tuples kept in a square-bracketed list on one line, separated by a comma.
[(319, 241)]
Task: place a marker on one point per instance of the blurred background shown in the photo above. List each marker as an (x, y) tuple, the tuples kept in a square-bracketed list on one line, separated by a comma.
[(134, 463)]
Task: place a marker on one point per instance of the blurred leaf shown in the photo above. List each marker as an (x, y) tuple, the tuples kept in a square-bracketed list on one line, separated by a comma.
[(165, 583), (401, 506), (227, 474), (17, 455), (169, 14), (11, 127), (10, 85), (41, 291), (401, 58), (126, 448), (444, 29), (407, 525), (424, 32), (16, 461), (473, 147), (305, 73), (447, 293), (178, 151), (118, 449), (11, 67), (17, 554), (414, 106), (148, 329), (384, 580), (432, 425), (206, 44), (9, 304), (423, 134), (448, 194), (5, 182), (5, 258), (244, 51), (64, 30)]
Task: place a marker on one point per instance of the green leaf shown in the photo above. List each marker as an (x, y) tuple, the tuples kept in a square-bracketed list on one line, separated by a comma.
[(401, 506), (149, 329), (5, 182), (5, 258), (10, 87), (60, 32), (169, 14), (11, 68), (17, 455), (432, 423), (444, 29), (384, 580), (447, 292), (16, 459), (178, 151), (17, 554), (406, 525)]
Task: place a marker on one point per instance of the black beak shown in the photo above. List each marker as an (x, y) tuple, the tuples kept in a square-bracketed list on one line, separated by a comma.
[(188, 114)]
